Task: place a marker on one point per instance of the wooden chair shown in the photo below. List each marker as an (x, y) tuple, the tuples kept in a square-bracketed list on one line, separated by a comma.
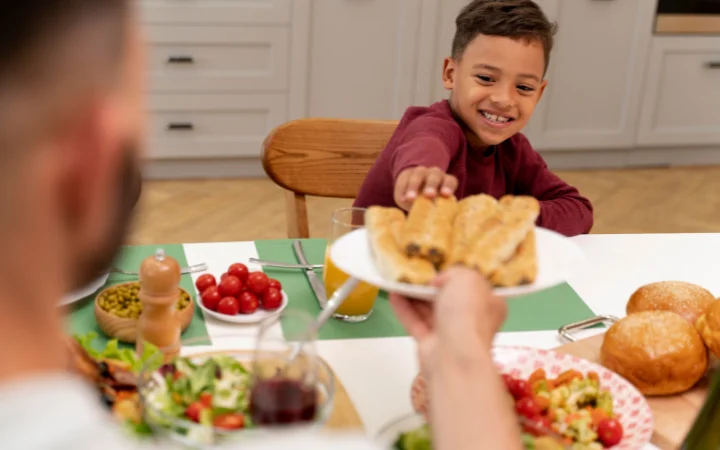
[(323, 158)]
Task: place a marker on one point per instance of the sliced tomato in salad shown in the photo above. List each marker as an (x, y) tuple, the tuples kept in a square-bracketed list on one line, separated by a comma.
[(229, 421)]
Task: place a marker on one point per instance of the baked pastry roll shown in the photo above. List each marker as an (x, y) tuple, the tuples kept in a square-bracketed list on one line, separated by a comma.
[(429, 229), (384, 226), (503, 235), (473, 215), (687, 299), (522, 268)]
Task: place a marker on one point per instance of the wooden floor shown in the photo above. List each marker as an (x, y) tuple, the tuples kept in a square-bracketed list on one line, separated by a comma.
[(626, 201)]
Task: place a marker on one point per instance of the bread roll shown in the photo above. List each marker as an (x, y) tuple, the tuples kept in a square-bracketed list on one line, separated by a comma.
[(687, 299), (657, 351), (429, 229), (708, 325)]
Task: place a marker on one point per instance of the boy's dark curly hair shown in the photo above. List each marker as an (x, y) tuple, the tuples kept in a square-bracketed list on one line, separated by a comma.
[(516, 19)]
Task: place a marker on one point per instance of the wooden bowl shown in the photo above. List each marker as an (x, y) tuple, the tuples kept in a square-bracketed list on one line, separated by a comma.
[(125, 330)]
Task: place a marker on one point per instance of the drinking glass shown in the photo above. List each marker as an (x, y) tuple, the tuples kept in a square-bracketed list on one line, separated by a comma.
[(358, 306), (289, 388)]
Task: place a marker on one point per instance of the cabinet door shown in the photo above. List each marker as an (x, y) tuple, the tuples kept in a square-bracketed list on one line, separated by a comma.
[(207, 12), (682, 95), (361, 58), (595, 77)]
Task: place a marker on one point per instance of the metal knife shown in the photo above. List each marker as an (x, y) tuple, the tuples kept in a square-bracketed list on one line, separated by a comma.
[(315, 283)]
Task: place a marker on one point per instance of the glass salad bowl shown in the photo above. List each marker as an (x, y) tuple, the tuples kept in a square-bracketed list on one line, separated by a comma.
[(219, 398)]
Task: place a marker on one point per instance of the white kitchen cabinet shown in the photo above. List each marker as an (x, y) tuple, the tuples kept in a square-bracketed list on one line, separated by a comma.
[(196, 126), (206, 12), (361, 58), (681, 105), (218, 58), (595, 77)]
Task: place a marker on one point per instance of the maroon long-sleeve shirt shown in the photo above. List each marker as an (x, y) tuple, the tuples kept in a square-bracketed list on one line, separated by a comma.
[(431, 137)]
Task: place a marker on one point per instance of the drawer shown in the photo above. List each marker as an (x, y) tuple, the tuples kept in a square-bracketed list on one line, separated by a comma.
[(216, 12), (211, 126), (218, 59), (682, 94)]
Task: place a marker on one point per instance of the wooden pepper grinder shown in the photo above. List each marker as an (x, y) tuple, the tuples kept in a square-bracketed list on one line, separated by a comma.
[(159, 294)]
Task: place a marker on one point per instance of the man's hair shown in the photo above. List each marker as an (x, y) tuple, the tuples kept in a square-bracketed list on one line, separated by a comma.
[(515, 19), (52, 51)]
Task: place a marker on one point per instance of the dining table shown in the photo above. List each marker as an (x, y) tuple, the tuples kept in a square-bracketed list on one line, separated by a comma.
[(377, 362)]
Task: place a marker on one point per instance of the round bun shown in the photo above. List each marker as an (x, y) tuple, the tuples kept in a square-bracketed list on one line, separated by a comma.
[(708, 325), (657, 351), (687, 299)]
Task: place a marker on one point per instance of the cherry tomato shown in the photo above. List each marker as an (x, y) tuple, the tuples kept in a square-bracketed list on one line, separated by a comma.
[(239, 270), (229, 421), (205, 281), (223, 276), (229, 306), (538, 426), (248, 303), (273, 283), (610, 432), (177, 375), (520, 389), (193, 411), (272, 299), (230, 286), (258, 282), (507, 379), (211, 297), (527, 407), (206, 399)]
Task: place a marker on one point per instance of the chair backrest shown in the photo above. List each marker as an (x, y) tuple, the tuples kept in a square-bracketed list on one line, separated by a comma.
[(323, 158)]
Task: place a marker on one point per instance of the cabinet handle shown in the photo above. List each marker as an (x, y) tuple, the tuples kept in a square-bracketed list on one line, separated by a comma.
[(180, 60), (181, 126), (713, 65)]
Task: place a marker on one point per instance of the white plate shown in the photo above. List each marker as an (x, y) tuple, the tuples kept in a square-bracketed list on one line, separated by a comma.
[(558, 258), (86, 291), (629, 404), (258, 316), (390, 433)]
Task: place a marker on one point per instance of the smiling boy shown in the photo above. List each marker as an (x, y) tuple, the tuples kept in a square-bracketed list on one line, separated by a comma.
[(471, 143)]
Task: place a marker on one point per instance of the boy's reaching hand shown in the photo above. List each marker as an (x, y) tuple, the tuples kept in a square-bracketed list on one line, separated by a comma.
[(428, 181)]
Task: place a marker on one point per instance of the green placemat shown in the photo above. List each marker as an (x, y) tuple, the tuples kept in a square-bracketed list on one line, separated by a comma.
[(382, 322), (82, 317), (546, 310)]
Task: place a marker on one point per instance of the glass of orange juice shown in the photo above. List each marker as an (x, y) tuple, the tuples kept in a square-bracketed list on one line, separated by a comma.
[(358, 306)]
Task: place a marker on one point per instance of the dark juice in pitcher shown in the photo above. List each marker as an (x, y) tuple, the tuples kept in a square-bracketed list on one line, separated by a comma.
[(278, 401)]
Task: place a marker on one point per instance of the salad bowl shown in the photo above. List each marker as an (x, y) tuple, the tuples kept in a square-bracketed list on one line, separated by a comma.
[(176, 404)]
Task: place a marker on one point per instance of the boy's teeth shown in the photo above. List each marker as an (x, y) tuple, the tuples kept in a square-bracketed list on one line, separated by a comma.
[(494, 118)]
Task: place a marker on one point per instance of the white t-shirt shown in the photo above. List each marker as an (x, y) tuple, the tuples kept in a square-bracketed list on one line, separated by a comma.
[(61, 412)]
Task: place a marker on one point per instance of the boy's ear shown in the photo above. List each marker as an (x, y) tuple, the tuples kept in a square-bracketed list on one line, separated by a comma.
[(542, 89), (449, 72)]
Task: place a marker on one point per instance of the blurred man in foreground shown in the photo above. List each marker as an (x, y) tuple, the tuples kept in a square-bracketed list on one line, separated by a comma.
[(71, 138)]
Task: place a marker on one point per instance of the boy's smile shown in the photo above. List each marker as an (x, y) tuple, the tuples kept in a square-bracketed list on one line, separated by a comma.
[(495, 86)]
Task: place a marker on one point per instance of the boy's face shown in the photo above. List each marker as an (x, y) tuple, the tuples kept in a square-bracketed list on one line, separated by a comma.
[(495, 86)]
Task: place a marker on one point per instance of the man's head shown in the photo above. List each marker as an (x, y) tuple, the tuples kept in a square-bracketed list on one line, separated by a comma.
[(71, 134), (496, 73)]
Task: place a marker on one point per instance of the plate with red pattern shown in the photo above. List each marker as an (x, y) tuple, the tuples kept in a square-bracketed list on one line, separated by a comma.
[(629, 406)]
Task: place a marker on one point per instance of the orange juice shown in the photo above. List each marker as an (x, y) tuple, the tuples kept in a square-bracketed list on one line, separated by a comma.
[(359, 302)]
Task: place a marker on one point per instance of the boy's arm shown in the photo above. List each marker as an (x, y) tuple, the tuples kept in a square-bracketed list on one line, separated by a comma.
[(426, 142), (562, 208)]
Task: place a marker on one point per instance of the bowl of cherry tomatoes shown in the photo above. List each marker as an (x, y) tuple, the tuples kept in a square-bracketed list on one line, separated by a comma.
[(240, 296)]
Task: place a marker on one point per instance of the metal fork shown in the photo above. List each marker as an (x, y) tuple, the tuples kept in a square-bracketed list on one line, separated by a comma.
[(185, 270)]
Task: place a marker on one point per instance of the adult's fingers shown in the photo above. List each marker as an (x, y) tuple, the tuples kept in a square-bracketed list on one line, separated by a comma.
[(413, 322)]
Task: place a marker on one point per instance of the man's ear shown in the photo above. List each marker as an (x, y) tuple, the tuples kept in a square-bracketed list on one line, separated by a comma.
[(449, 73), (92, 145)]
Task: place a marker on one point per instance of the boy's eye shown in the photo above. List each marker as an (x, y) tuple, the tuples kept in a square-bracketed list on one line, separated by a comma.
[(526, 88), (484, 79)]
